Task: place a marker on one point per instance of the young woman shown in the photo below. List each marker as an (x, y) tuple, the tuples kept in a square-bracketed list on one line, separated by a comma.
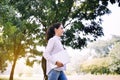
[(54, 46)]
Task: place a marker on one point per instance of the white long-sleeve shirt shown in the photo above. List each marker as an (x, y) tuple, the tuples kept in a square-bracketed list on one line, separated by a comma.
[(54, 46)]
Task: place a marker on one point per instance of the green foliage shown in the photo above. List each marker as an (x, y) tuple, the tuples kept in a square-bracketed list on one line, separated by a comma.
[(3, 63), (67, 12), (96, 66), (105, 2), (100, 70), (104, 47), (109, 64), (115, 55), (18, 35)]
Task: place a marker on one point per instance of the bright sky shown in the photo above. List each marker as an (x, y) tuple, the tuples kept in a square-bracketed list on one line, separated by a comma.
[(111, 23)]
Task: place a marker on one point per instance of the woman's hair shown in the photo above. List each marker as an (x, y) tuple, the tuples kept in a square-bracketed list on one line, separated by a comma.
[(51, 30)]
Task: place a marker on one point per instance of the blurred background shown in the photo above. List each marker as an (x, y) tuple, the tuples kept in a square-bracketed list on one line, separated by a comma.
[(92, 36)]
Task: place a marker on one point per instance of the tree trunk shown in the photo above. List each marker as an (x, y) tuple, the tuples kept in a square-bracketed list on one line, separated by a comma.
[(13, 68)]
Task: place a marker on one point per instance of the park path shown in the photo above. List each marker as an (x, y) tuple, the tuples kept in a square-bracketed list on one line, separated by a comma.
[(70, 77)]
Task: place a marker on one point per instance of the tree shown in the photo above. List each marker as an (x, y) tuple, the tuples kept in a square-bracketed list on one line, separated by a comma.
[(3, 56), (18, 41), (105, 2), (78, 17), (115, 56), (104, 47), (17, 36), (21, 28)]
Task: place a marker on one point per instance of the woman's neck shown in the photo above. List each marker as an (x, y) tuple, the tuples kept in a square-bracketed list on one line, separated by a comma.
[(57, 35)]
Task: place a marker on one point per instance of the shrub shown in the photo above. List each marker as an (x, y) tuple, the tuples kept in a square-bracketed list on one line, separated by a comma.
[(96, 66)]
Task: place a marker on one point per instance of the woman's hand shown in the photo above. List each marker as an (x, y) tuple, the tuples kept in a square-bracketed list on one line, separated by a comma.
[(59, 64)]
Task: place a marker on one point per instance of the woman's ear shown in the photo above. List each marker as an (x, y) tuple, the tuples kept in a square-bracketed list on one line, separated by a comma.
[(55, 29)]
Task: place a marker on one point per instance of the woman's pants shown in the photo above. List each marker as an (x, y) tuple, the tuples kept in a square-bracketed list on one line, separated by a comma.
[(56, 75)]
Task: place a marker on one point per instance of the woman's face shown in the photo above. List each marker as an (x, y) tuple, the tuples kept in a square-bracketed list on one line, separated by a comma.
[(59, 31)]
